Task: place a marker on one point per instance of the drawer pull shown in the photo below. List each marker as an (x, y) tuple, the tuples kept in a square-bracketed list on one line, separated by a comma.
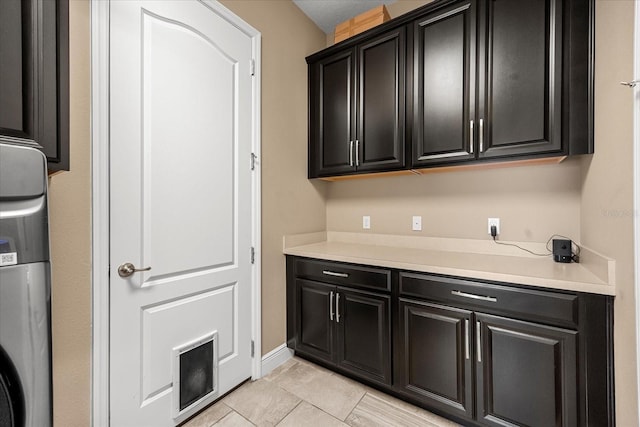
[(333, 273), (331, 306), (474, 296)]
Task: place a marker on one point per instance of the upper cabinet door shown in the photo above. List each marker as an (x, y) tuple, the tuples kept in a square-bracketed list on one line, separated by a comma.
[(54, 83), (519, 77), (444, 85), (331, 141), (380, 142), (18, 77), (34, 76)]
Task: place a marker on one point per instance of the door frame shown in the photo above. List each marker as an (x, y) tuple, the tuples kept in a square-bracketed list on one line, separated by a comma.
[(636, 183), (100, 202)]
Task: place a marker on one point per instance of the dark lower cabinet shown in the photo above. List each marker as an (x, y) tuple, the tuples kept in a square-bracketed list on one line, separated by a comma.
[(526, 373), (481, 353), (519, 373), (315, 326), (436, 362), (364, 334), (350, 329)]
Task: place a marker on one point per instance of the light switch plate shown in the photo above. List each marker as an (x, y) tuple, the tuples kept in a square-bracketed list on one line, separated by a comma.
[(366, 222), (416, 223)]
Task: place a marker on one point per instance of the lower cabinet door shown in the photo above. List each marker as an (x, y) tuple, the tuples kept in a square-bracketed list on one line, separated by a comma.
[(526, 373), (314, 310), (364, 334), (435, 354)]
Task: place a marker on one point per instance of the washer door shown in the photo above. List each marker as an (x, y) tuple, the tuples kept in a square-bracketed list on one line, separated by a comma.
[(11, 397)]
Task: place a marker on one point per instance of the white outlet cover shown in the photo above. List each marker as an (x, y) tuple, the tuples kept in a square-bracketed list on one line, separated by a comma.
[(493, 221), (416, 223), (366, 222)]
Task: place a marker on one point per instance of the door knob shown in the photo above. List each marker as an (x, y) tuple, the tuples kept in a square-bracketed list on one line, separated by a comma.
[(127, 269)]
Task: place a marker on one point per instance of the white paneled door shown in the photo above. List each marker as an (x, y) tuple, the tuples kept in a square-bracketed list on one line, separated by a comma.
[(180, 203)]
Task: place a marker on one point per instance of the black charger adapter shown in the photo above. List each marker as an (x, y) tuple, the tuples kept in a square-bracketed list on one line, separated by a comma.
[(562, 250)]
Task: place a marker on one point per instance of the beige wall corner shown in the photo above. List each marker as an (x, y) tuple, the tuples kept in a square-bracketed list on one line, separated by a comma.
[(607, 193), (291, 204), (70, 219)]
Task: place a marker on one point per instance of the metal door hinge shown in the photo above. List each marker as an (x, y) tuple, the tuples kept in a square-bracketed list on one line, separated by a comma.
[(253, 348), (253, 67), (253, 161), (253, 255)]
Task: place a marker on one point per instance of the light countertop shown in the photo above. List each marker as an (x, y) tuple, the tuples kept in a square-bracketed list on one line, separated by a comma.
[(459, 257)]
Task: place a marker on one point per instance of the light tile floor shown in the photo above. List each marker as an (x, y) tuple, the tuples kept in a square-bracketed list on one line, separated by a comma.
[(299, 393)]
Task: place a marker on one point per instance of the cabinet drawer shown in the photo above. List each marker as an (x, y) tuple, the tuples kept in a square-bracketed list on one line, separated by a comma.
[(344, 274), (528, 304)]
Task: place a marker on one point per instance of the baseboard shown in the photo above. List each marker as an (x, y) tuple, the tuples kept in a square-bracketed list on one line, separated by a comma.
[(275, 358)]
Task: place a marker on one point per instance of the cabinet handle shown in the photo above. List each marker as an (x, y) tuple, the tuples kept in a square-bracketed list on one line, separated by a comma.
[(337, 307), (331, 306), (474, 296), (481, 131), (357, 153), (333, 273), (351, 153), (471, 137), (466, 338), (478, 342)]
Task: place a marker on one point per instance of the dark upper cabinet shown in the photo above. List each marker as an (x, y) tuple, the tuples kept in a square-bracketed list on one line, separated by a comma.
[(519, 77), (502, 56), (332, 112), (444, 52), (356, 105), (18, 72), (526, 373), (474, 81), (34, 77)]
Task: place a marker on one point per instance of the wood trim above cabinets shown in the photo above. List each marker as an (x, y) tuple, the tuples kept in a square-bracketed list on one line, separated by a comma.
[(459, 167)]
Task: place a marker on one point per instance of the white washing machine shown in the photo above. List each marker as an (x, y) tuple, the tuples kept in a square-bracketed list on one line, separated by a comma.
[(25, 337)]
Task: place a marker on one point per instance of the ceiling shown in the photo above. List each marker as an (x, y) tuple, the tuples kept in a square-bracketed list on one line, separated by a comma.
[(328, 13)]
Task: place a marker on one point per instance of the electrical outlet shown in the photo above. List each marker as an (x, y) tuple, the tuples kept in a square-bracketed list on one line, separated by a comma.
[(416, 223), (366, 222), (493, 221)]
